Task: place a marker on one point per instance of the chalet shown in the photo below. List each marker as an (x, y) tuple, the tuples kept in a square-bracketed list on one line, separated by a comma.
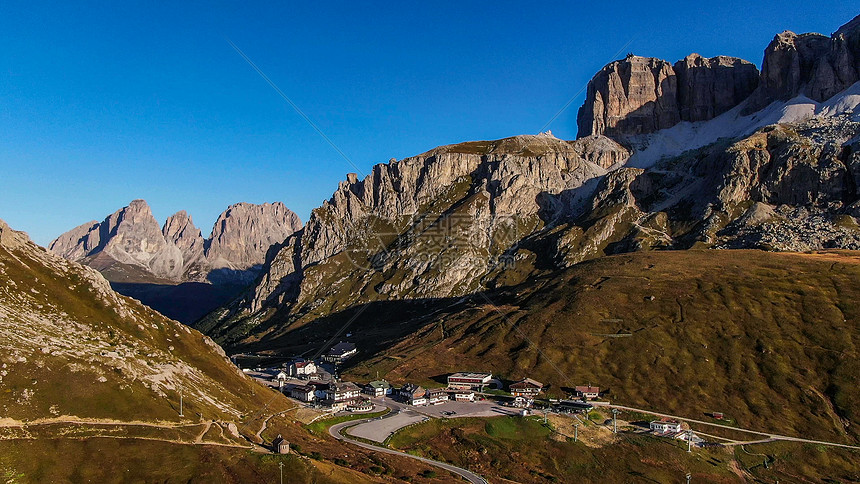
[(587, 392), (378, 388), (340, 352), (303, 393), (341, 391), (665, 425), (436, 396), (280, 446), (413, 394), (281, 377), (464, 396), (302, 369), (469, 381), (526, 388)]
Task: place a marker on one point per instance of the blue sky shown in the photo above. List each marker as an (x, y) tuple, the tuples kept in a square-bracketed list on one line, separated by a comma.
[(102, 103)]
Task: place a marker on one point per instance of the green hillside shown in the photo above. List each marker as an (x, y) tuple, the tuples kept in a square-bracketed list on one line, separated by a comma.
[(770, 339), (90, 385)]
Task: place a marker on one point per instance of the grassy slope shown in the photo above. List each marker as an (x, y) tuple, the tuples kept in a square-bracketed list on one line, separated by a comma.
[(769, 339), (109, 460), (55, 374), (60, 326)]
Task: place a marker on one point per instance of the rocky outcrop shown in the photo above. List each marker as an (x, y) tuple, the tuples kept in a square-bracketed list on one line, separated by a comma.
[(472, 216), (180, 230), (640, 95), (601, 151), (812, 65), (129, 236), (11, 239), (708, 87), (177, 251), (631, 96), (429, 218), (244, 232)]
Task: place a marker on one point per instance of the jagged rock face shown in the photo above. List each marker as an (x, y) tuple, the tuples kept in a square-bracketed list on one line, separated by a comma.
[(631, 96), (130, 236), (776, 167), (809, 64), (640, 95), (601, 151), (180, 230), (393, 220), (177, 251), (710, 87), (395, 234), (11, 239), (244, 232)]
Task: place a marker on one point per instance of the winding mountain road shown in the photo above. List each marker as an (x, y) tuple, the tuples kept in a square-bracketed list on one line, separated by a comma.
[(335, 431)]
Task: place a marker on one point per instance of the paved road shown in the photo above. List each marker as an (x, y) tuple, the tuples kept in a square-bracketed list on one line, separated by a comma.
[(335, 430), (770, 437)]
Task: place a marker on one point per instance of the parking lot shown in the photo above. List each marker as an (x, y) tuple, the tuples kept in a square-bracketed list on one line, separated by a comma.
[(379, 430), (404, 415), (483, 408)]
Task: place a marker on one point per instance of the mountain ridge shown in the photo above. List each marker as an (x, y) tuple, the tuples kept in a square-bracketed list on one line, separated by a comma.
[(176, 250), (477, 215)]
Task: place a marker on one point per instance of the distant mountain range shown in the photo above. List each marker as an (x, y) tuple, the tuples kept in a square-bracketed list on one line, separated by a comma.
[(172, 267)]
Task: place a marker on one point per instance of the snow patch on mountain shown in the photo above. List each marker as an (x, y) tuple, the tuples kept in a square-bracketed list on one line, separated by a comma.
[(648, 149)]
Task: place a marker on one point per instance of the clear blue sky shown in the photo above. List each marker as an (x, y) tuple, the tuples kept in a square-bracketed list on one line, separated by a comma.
[(102, 103)]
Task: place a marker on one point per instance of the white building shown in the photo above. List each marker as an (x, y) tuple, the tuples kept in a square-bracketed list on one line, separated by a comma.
[(469, 381), (302, 368), (665, 425), (342, 391)]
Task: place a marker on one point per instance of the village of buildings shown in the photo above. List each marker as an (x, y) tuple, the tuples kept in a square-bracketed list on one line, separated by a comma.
[(315, 384)]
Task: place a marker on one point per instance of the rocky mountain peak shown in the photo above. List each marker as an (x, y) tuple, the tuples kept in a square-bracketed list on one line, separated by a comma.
[(177, 250), (244, 232), (180, 229), (640, 95), (811, 64)]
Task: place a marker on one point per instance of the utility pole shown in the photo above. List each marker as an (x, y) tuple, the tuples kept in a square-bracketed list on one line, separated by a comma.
[(614, 420), (281, 465), (575, 432)]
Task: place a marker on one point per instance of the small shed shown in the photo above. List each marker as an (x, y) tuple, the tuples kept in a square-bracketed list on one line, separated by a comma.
[(280, 446)]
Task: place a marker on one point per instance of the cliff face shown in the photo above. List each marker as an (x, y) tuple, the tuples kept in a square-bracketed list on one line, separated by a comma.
[(244, 232), (708, 87), (411, 217), (640, 95), (812, 65), (131, 238)]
